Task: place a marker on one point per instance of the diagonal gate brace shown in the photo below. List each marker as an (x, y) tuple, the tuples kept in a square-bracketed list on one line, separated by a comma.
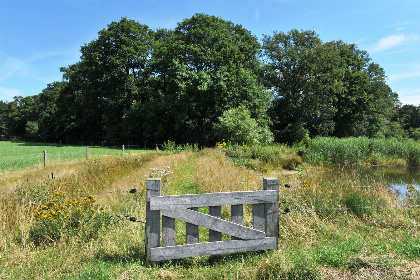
[(213, 223)]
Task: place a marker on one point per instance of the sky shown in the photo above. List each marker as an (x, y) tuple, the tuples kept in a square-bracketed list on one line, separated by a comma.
[(37, 37)]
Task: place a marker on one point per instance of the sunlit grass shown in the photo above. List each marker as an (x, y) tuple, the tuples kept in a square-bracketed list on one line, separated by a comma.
[(16, 155), (367, 236)]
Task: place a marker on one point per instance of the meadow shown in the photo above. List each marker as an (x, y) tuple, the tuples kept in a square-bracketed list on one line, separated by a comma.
[(16, 155), (76, 226)]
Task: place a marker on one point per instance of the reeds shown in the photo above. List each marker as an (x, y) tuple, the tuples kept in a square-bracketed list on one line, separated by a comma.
[(392, 151)]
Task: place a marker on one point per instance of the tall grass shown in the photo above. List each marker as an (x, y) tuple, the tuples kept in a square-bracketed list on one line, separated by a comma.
[(328, 150), (333, 231)]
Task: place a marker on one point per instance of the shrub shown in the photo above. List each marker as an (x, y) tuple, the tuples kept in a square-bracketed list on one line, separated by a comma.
[(238, 126)]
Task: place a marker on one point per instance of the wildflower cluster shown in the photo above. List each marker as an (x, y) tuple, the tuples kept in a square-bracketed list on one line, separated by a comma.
[(67, 216), (61, 208), (160, 172)]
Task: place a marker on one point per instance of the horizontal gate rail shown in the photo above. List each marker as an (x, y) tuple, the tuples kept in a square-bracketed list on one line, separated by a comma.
[(163, 210)]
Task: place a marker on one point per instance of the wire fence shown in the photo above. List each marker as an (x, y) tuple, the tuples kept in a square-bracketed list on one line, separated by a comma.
[(288, 206)]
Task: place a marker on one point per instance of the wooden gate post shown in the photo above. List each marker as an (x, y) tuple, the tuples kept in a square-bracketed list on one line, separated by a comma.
[(152, 217), (272, 209)]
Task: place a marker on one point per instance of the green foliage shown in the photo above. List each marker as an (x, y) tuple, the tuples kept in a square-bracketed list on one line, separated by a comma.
[(260, 156), (237, 125), (172, 147), (325, 150), (358, 203), (409, 247), (330, 89)]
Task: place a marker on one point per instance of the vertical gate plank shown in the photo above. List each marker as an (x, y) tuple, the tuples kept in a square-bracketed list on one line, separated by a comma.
[(168, 231), (237, 216), (258, 219), (272, 209), (215, 211), (192, 231), (152, 218)]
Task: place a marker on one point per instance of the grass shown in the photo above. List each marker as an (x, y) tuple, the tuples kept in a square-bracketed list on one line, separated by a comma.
[(17, 155), (334, 230)]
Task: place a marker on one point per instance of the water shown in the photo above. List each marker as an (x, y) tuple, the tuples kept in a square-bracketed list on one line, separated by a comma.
[(397, 178)]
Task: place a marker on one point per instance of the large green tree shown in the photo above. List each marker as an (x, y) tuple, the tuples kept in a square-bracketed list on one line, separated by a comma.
[(204, 67), (325, 88), (109, 77)]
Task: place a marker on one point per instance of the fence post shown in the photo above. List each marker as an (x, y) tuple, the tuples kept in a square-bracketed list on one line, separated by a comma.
[(152, 218), (272, 209), (45, 158), (87, 153), (123, 149)]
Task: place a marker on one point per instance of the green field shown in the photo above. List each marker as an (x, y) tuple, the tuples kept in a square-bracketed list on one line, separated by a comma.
[(16, 155)]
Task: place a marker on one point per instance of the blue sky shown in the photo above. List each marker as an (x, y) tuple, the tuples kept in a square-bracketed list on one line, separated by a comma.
[(37, 37)]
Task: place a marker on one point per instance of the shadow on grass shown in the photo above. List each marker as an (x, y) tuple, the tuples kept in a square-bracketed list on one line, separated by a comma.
[(133, 254), (210, 261)]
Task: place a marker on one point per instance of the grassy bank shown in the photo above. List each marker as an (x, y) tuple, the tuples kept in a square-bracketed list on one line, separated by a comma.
[(328, 230), (327, 150)]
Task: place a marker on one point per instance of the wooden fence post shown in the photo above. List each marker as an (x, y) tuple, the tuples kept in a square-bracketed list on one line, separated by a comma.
[(87, 153), (272, 209), (45, 158), (152, 217)]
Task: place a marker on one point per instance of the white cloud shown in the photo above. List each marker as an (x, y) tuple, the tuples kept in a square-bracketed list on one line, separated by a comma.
[(411, 71), (12, 66), (393, 41), (257, 14), (7, 94), (410, 96)]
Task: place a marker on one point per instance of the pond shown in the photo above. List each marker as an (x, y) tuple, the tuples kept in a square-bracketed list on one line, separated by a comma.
[(397, 178)]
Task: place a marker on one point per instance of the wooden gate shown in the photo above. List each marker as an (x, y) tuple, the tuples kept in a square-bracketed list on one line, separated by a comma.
[(263, 235)]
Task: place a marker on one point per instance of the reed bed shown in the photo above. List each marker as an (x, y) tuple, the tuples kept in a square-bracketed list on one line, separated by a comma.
[(362, 150)]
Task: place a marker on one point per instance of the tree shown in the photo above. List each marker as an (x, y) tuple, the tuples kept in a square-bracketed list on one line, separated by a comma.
[(204, 67), (409, 118), (3, 117), (327, 88), (301, 72), (21, 111), (108, 79)]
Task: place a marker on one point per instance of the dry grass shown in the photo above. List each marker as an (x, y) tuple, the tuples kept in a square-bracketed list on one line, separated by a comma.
[(307, 238)]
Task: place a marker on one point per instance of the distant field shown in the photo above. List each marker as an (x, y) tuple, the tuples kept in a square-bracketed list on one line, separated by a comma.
[(15, 155)]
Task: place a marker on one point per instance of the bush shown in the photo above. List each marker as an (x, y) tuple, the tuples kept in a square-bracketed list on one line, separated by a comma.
[(237, 126)]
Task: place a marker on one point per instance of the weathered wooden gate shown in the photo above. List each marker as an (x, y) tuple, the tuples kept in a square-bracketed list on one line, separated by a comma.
[(263, 235)]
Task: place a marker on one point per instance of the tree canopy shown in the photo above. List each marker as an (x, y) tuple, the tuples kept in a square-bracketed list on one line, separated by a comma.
[(189, 84)]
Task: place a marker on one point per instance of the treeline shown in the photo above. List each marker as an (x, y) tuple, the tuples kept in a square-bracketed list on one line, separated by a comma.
[(207, 80)]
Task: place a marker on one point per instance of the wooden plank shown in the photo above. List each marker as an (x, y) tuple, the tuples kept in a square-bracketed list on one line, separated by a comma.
[(212, 248), (272, 209), (192, 229), (237, 216), (258, 216), (168, 231), (152, 218), (213, 223), (212, 199), (215, 211)]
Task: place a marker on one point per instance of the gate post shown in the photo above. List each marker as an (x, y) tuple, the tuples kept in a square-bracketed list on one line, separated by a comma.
[(272, 209), (152, 218)]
